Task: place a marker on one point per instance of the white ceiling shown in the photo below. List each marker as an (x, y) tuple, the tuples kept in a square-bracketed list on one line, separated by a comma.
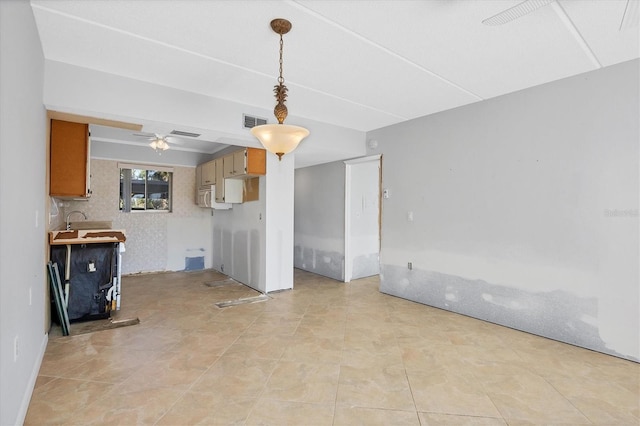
[(356, 64)]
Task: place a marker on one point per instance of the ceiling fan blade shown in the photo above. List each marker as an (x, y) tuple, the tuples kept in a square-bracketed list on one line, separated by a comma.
[(516, 12), (631, 15)]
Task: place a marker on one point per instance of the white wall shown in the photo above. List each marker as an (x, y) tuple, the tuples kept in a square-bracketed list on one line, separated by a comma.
[(319, 219), (239, 241), (23, 284), (512, 200)]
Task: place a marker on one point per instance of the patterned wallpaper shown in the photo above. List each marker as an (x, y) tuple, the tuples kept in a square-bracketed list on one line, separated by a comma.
[(147, 244)]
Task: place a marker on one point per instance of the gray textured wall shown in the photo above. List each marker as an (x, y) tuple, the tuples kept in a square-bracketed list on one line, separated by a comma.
[(319, 219), (23, 220), (525, 210)]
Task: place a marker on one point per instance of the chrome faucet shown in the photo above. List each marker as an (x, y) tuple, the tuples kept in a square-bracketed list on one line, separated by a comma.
[(70, 213)]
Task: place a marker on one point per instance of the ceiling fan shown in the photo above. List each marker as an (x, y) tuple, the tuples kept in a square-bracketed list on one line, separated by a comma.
[(629, 16), (158, 142)]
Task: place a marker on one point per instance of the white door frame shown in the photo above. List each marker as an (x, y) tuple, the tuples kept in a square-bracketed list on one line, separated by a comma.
[(348, 262)]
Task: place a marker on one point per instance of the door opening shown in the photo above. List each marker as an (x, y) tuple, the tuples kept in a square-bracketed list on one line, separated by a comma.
[(362, 217)]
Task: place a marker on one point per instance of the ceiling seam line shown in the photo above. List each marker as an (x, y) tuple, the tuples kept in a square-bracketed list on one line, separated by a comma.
[(150, 40), (571, 27), (294, 3), (200, 55)]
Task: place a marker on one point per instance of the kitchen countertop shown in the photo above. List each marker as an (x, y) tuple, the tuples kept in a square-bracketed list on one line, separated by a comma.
[(87, 236)]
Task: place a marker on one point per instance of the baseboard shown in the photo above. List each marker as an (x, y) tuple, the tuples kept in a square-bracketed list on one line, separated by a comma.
[(26, 399)]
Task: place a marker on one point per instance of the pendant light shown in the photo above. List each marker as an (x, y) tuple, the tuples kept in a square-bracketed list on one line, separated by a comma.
[(280, 138)]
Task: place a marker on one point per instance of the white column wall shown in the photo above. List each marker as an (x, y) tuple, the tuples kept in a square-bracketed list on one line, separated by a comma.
[(278, 254), (253, 242)]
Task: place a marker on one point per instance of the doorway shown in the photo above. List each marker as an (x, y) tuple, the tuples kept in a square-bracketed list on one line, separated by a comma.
[(362, 217)]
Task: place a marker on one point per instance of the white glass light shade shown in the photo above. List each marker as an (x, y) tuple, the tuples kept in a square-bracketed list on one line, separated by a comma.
[(159, 144), (279, 139)]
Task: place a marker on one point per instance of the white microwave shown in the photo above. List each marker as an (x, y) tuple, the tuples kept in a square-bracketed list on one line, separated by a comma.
[(207, 199)]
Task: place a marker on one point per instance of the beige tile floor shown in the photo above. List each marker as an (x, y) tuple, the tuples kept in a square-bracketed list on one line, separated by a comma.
[(325, 353)]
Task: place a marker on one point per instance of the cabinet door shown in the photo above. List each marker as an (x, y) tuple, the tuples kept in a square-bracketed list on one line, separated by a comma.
[(69, 159), (198, 182), (219, 180), (208, 173), (235, 164), (239, 162), (233, 190), (228, 165)]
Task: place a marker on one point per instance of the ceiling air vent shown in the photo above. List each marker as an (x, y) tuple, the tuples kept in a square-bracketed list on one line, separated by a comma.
[(181, 133), (248, 121)]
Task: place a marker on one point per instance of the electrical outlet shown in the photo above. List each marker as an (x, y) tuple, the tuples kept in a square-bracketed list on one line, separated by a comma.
[(91, 266), (15, 349), (410, 266)]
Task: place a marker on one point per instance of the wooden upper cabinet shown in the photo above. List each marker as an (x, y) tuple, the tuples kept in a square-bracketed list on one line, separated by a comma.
[(233, 164), (69, 160), (245, 162), (228, 174), (208, 174), (256, 162)]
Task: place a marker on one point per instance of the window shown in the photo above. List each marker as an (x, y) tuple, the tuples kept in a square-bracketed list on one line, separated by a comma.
[(145, 188)]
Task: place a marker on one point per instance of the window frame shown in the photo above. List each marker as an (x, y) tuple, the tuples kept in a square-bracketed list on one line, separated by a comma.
[(125, 191)]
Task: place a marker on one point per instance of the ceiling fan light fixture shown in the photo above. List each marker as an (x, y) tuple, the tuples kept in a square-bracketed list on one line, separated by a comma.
[(159, 144), (280, 138)]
